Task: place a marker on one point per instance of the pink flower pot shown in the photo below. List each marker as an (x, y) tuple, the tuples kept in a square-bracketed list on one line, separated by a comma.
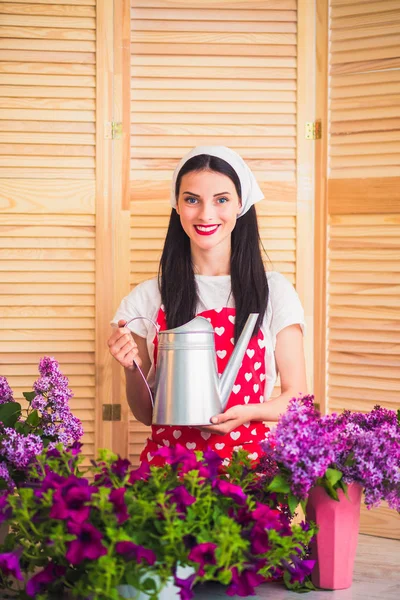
[(334, 548)]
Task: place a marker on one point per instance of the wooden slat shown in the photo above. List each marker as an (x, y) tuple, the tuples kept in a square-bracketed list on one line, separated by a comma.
[(370, 195)]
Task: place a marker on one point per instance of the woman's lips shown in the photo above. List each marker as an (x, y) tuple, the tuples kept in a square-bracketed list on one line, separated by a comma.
[(206, 229)]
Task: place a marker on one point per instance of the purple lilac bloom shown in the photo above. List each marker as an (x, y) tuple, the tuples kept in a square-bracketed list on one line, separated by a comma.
[(70, 500), (131, 551), (87, 545), (117, 499), (6, 394), (369, 454), (4, 474), (243, 583), (39, 582), (203, 554), (9, 565), (18, 449), (230, 490), (301, 444), (181, 497), (52, 398)]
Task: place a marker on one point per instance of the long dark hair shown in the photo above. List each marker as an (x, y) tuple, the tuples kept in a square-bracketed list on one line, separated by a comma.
[(176, 278)]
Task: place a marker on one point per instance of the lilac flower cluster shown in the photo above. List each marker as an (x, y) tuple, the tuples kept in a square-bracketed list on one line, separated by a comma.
[(6, 394), (19, 450), (24, 438), (365, 448), (368, 453), (52, 397), (301, 444)]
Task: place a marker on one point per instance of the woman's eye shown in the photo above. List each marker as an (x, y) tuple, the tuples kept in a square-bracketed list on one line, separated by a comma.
[(191, 200), (223, 200)]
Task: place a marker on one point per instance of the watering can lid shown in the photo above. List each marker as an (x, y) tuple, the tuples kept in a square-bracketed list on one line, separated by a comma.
[(196, 325)]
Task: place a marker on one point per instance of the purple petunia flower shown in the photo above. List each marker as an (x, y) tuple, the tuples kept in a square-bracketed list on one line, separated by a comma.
[(243, 583), (181, 497), (117, 499), (203, 554), (299, 569), (9, 565), (176, 455), (70, 499), (87, 545), (120, 467), (131, 551), (229, 489), (185, 585), (39, 582), (268, 517), (6, 393), (142, 473), (5, 508)]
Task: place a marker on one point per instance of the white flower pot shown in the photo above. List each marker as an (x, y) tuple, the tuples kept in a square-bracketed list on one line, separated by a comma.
[(169, 591)]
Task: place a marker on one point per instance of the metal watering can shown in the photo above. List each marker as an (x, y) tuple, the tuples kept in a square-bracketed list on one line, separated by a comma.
[(188, 389)]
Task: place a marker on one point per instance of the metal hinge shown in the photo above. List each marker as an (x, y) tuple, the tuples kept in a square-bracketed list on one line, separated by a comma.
[(313, 130), (113, 130), (111, 412)]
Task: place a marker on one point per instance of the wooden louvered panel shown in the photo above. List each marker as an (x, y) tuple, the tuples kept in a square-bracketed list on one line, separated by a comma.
[(47, 196), (206, 75), (364, 312), (364, 90)]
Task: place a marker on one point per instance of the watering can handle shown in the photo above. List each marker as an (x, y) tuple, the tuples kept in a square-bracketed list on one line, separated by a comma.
[(137, 366)]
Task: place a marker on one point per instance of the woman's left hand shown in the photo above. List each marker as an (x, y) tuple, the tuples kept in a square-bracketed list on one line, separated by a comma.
[(228, 421)]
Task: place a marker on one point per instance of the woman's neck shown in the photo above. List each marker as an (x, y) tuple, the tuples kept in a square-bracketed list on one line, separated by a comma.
[(211, 262)]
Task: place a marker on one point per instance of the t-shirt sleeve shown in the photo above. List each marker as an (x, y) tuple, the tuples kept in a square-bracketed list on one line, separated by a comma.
[(285, 304), (142, 301)]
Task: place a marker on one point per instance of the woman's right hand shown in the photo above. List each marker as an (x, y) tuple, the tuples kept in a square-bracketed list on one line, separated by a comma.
[(123, 347)]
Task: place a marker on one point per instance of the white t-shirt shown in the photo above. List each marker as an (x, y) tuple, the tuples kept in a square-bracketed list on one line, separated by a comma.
[(284, 308)]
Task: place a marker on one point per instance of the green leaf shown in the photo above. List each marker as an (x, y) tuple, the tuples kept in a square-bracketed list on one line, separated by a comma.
[(293, 503), (279, 484), (333, 476), (9, 413), (29, 395), (33, 419), (149, 585)]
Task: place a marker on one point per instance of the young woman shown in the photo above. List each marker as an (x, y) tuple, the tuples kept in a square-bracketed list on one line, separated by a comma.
[(211, 266)]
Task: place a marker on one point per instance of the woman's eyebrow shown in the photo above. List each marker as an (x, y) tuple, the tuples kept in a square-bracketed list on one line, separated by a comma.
[(197, 195)]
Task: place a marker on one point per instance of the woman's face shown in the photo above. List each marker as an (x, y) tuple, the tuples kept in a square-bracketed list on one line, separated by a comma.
[(208, 206)]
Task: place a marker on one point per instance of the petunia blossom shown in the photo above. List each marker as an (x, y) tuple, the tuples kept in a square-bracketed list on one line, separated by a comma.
[(203, 554), (87, 545), (39, 583), (117, 499), (131, 551), (9, 565)]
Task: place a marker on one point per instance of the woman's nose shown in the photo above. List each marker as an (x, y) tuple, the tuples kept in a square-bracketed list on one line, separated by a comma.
[(207, 211)]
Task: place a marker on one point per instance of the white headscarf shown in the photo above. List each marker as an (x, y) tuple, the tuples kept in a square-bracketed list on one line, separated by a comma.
[(251, 192)]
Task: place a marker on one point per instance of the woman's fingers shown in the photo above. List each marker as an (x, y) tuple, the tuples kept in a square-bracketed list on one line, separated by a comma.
[(123, 347)]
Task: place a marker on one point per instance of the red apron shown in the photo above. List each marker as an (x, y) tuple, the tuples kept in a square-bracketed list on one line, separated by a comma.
[(248, 389)]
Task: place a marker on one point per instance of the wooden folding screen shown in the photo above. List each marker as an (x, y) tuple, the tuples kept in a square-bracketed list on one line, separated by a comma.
[(47, 196), (360, 163), (228, 76)]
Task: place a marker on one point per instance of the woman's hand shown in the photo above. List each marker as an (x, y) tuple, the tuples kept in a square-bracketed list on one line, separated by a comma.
[(124, 348), (228, 421)]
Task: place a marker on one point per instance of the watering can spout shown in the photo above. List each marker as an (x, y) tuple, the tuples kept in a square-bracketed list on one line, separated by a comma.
[(231, 370)]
